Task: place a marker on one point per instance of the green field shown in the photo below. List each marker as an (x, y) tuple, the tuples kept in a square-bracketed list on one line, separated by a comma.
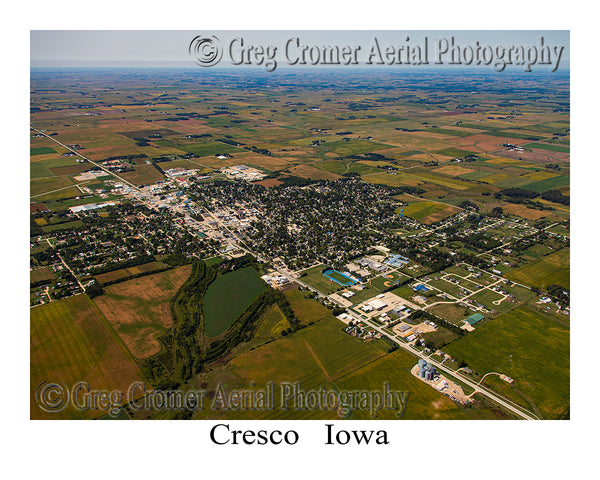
[(420, 210), (70, 341), (352, 147), (315, 278), (272, 323), (62, 226), (424, 402), (548, 270), (550, 148), (227, 297), (315, 357), (41, 151), (306, 310), (549, 184), (38, 186), (201, 149), (540, 358), (453, 152)]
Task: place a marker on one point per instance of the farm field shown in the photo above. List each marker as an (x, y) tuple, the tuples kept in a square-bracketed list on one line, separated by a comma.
[(71, 342), (109, 277), (450, 312), (314, 357), (138, 309), (306, 310), (540, 358), (143, 175), (342, 154), (548, 270), (419, 210), (272, 323), (424, 402), (227, 297)]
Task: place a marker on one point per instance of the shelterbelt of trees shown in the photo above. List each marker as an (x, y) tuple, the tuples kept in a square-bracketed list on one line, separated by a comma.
[(185, 349)]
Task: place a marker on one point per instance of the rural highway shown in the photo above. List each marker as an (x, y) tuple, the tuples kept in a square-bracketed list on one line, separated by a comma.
[(101, 167), (478, 388), (519, 411)]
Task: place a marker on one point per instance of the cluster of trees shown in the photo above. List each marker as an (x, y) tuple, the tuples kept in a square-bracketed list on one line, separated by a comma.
[(518, 193), (261, 151), (553, 166), (182, 356), (110, 267), (230, 142), (176, 259), (522, 196), (556, 197), (559, 293), (186, 351)]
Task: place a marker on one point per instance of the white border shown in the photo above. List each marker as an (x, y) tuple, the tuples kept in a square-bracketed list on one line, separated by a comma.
[(153, 449)]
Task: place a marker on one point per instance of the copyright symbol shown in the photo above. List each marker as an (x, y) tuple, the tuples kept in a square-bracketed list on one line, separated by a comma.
[(52, 396), (206, 51)]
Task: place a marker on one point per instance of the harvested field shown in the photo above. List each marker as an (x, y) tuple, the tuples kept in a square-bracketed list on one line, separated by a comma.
[(71, 169), (143, 175), (485, 143), (272, 182), (453, 170), (139, 309), (537, 156), (441, 215), (524, 212), (312, 173), (71, 342), (41, 274)]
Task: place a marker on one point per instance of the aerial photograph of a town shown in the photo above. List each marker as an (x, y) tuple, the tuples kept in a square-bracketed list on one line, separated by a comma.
[(292, 241)]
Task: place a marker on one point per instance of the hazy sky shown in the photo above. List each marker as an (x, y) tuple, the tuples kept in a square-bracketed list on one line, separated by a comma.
[(122, 48)]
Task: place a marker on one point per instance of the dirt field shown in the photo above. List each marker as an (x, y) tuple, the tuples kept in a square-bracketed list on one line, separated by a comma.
[(272, 182), (143, 175), (453, 170), (313, 173), (524, 212), (436, 217), (139, 311), (71, 169), (486, 143), (536, 156)]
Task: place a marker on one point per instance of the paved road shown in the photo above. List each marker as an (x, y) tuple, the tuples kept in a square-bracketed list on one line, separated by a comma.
[(101, 167), (478, 388)]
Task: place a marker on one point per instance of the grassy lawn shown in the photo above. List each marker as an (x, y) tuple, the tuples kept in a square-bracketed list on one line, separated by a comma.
[(272, 323), (315, 278)]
